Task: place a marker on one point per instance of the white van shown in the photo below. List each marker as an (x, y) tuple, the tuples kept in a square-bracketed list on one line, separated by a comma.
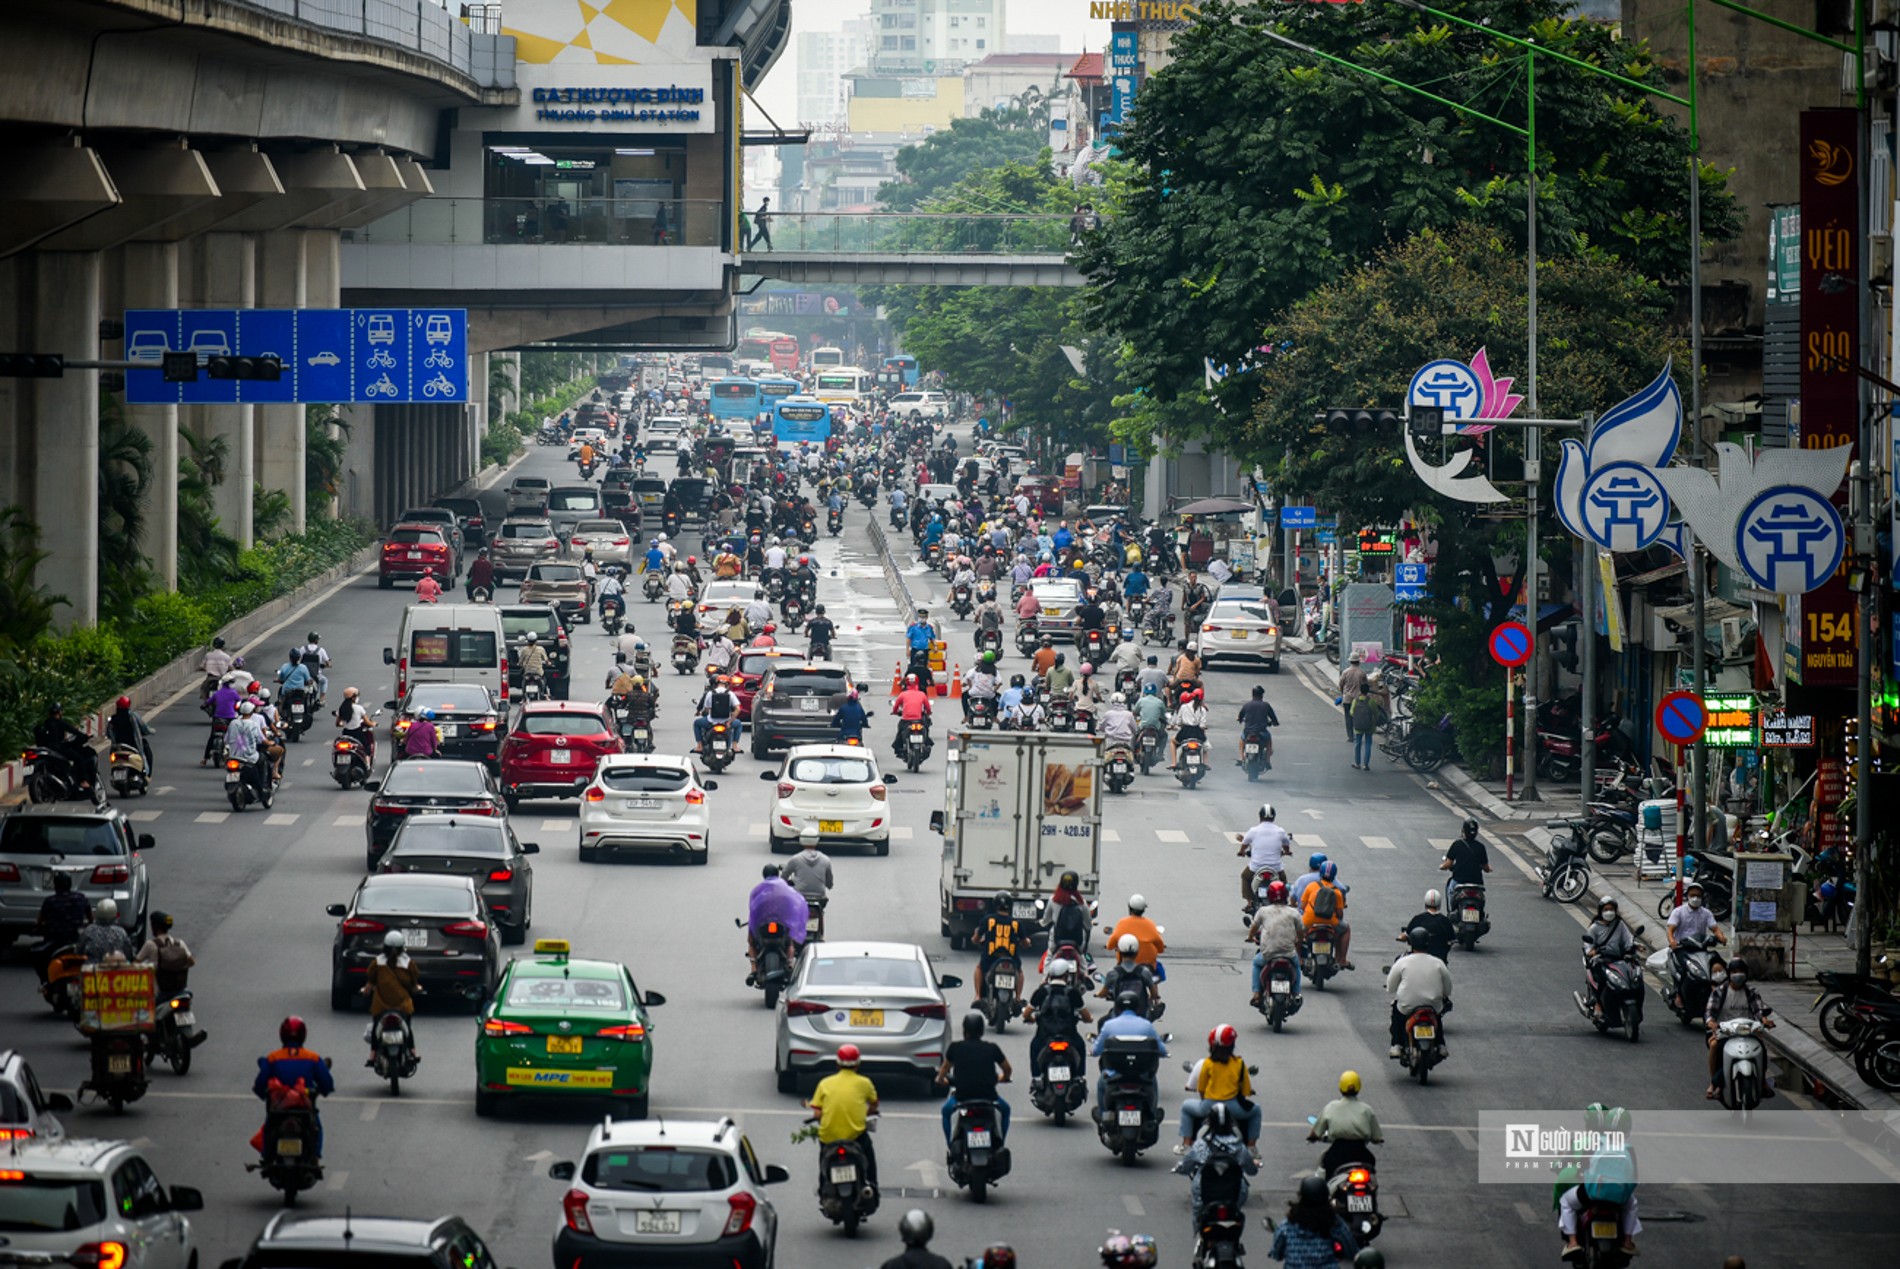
[(451, 643)]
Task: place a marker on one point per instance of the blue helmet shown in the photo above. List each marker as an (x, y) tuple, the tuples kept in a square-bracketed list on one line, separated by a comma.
[(1315, 859), (1328, 871), (1154, 690), (429, 714)]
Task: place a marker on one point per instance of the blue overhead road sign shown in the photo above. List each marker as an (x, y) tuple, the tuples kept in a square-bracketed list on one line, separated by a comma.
[(330, 356)]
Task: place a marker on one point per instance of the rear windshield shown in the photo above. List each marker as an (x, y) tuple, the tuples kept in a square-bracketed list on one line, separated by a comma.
[(555, 573), (864, 971), (410, 537), (527, 530), (662, 1170), (689, 488), (573, 500), (531, 484), (808, 683), (429, 900), (42, 1205), (754, 663), (832, 771), (567, 993), (428, 515), (409, 778), (461, 698), (439, 648), (649, 484), (36, 835), (643, 779), (601, 528), (1231, 611), (461, 506), (516, 626), (561, 724), (420, 837)]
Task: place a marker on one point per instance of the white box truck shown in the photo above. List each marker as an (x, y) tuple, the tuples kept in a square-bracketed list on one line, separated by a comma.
[(1020, 809)]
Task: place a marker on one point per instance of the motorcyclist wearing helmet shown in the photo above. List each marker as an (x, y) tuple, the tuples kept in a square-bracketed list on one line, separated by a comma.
[(533, 658), (915, 1229), (481, 574), (1222, 1139), (167, 953), (1138, 924), (970, 1069), (1125, 1021), (1059, 678), (1129, 974), (1058, 1010), (1440, 930), (1313, 1233), (911, 704), (999, 939), (767, 636), (719, 705), (1190, 721), (1466, 859), (289, 1065), (127, 727), (1221, 1080), (1045, 658), (1277, 928), (1265, 845), (353, 721), (1417, 980), (1118, 722), (983, 685), (56, 733), (423, 739), (1126, 654), (1296, 889), (1129, 1251), (819, 632), (316, 659), (105, 936), (391, 983), (1314, 909), (1608, 938), (1152, 679), (1607, 1175), (843, 1104), (1256, 718), (63, 916), (989, 613), (1350, 1127)]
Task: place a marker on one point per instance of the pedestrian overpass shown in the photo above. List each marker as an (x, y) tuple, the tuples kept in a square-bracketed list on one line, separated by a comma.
[(917, 248)]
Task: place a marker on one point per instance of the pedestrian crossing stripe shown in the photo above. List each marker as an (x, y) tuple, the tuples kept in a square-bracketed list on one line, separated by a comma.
[(1378, 843), (556, 826), (1110, 835), (900, 833), (281, 818), (756, 830), (1309, 843), (347, 821), (144, 817), (1171, 835), (212, 817), (1442, 843)]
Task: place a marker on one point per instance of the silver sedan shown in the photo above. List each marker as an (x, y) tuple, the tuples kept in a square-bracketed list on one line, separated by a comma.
[(883, 997)]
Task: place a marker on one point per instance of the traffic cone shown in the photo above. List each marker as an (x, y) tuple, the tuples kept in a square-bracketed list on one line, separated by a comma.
[(956, 683), (897, 677)]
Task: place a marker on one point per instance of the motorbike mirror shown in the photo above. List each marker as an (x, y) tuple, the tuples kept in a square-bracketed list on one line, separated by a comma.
[(1188, 1067), (186, 1199), (337, 910), (562, 1171), (774, 1174), (1385, 969), (59, 1102), (768, 775), (1313, 1120), (949, 982), (936, 821), (147, 841), (531, 848), (389, 656), (326, 1064), (737, 922), (1253, 1070)]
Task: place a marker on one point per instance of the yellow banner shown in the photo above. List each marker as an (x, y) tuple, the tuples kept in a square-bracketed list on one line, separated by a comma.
[(534, 1078), (1612, 599), (116, 997)]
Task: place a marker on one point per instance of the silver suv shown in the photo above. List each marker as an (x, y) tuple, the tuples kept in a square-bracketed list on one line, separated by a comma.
[(96, 848), (520, 544), (73, 1201), (667, 1192)]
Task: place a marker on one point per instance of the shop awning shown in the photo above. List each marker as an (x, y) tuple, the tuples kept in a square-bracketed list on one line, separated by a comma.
[(1675, 568)]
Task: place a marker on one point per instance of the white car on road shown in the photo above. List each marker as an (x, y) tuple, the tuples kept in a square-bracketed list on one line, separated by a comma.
[(647, 803), (835, 789), (62, 1202)]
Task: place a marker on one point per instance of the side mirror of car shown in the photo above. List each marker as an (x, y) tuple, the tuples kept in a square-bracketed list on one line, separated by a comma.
[(389, 656), (337, 910), (888, 778), (562, 1171), (531, 848), (147, 841), (768, 775), (186, 1199), (711, 786), (775, 1174), (371, 785), (59, 1102), (390, 704), (653, 1000), (949, 982)]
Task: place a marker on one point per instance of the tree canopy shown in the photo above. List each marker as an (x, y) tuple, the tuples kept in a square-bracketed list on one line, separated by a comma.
[(931, 168)]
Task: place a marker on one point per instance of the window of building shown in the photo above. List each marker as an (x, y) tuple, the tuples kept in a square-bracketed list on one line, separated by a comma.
[(980, 43), (890, 41), (910, 42)]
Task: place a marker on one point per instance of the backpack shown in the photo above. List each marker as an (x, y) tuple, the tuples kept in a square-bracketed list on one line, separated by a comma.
[(1325, 901), (1365, 714)]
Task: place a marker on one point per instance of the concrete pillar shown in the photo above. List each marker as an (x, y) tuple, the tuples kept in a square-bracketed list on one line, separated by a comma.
[(150, 271), (223, 274), (477, 413), (280, 428), (65, 423), (16, 429), (322, 265), (356, 490)]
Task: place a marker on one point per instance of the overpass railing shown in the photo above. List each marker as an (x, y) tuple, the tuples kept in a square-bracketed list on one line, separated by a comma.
[(422, 26), (915, 232), (618, 222)]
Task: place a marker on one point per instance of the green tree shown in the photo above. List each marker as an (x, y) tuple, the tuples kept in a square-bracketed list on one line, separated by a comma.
[(26, 607), (125, 478), (946, 157), (1356, 342), (207, 556), (1262, 173), (326, 448)]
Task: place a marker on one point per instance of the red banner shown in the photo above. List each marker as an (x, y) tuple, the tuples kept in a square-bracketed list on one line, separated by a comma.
[(1830, 350)]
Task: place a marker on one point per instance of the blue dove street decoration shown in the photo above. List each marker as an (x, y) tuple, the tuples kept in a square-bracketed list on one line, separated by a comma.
[(1608, 489)]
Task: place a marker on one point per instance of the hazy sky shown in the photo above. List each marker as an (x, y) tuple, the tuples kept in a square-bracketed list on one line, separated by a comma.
[(1067, 18)]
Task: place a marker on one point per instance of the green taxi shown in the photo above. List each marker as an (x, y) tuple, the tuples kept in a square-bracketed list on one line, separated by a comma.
[(560, 1025)]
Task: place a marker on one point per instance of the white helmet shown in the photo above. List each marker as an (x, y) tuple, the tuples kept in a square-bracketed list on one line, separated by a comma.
[(1061, 968), (1432, 900), (1137, 904), (1118, 699), (1128, 945), (1266, 811), (106, 911)]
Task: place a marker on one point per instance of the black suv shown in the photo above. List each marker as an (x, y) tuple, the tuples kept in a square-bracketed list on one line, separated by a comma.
[(795, 703), (693, 495), (374, 1242), (516, 621), (616, 497), (473, 520)]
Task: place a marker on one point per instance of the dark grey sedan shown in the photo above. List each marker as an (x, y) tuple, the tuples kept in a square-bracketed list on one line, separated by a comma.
[(481, 848), (446, 928)]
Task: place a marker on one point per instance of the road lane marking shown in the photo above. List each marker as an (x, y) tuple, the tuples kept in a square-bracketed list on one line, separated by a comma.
[(308, 762), (1465, 1139), (1110, 835), (369, 1111), (281, 818), (1525, 1214), (212, 817), (1309, 842), (338, 1180), (144, 817), (900, 833), (1378, 843), (755, 830), (556, 826), (1170, 835), (1133, 1203), (1442, 843), (347, 821)]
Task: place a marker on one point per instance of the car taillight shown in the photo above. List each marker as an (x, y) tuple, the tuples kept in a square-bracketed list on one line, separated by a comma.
[(501, 874), (504, 680), (402, 676), (486, 724), (500, 1026), (694, 797), (9, 872), (111, 874), (552, 544), (630, 1031), (1211, 629), (623, 541), (927, 1011), (16, 1134), (878, 792), (594, 794), (388, 808), (106, 1255), (362, 925), (803, 1008), (740, 1218), (786, 788), (574, 1208), (577, 540), (480, 808), (467, 929)]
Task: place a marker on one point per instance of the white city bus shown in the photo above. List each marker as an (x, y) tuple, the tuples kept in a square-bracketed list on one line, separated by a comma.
[(843, 385), (826, 358)]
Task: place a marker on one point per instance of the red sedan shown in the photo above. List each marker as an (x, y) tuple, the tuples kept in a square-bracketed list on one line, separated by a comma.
[(552, 749)]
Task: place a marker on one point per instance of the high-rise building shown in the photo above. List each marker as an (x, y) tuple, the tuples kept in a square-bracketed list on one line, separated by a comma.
[(824, 57), (935, 37)]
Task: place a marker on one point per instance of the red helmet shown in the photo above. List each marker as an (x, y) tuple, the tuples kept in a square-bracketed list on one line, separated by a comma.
[(692, 559), (292, 1032), (848, 1055), (1276, 892), (771, 627), (1223, 1037), (125, 702)]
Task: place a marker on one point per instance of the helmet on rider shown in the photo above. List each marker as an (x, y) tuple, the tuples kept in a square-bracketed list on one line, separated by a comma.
[(1118, 700), (973, 1025), (1276, 892), (1001, 901), (1060, 968), (1137, 904), (915, 1228), (292, 1032), (1328, 871), (1223, 1037), (394, 941), (1267, 812), (1419, 937), (1000, 1256), (1432, 900), (1349, 1083), (1316, 860), (1471, 826), (125, 702), (1127, 945), (848, 1055), (1128, 1001), (1220, 1120)]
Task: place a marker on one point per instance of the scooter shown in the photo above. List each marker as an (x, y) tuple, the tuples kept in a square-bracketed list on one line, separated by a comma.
[(977, 1159), (52, 777), (128, 771), (961, 602), (845, 1195), (62, 990), (1119, 766), (1465, 905), (392, 1051), (247, 781), (654, 586), (1126, 681), (916, 743), (1683, 972), (612, 615), (175, 1032), (794, 610), (1318, 962), (532, 687), (721, 746), (989, 640), (296, 713), (289, 1143), (774, 965), (685, 653), (1278, 1000), (1148, 746), (1619, 990), (1094, 646), (1061, 1089), (1424, 1045), (1128, 1112), (1219, 1219), (118, 1068), (1254, 755), (834, 522), (1565, 871), (1190, 764), (1002, 998), (1744, 1063), (1061, 712), (1354, 1186), (982, 712)]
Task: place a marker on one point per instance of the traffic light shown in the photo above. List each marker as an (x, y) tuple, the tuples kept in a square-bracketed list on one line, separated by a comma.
[(1427, 423), (31, 365), (179, 367), (266, 369), (1360, 423)]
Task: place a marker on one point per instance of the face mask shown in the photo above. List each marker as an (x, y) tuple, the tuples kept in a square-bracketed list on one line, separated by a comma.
[(1607, 915), (1737, 978), (1695, 901)]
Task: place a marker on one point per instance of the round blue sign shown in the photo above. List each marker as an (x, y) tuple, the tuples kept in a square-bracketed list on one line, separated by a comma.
[(1511, 644)]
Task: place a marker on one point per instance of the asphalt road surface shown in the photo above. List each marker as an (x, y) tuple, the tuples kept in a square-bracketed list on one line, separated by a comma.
[(249, 891)]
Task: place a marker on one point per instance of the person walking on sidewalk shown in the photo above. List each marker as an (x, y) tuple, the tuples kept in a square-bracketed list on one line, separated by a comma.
[(1365, 721), (1350, 682)]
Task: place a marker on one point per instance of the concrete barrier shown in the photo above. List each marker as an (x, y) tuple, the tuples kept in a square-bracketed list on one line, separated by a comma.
[(893, 576)]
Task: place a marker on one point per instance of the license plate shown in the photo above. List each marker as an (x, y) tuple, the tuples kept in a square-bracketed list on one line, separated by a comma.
[(846, 1175), (867, 1017), (1052, 612), (641, 733), (1128, 1118), (1023, 909), (809, 704), (564, 1044), (1253, 751), (448, 730), (1359, 1202), (230, 777), (1424, 1033), (1603, 1229), (119, 1063), (979, 1138), (1237, 634), (415, 555), (1472, 916), (289, 1147), (391, 1038), (559, 756), (644, 804), (185, 1019), (1280, 987), (1059, 1074), (1005, 982), (415, 938), (656, 1222), (831, 826), (1322, 949), (1120, 768)]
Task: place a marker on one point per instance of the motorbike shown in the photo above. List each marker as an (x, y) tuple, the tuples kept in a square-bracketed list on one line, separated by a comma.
[(289, 1142), (636, 732), (351, 759), (1027, 638), (1119, 767), (1744, 1063), (128, 771), (1684, 974), (834, 522), (774, 971), (774, 585), (896, 516), (1126, 682), (1253, 750), (613, 611), (52, 777), (1619, 990), (1876, 1051), (794, 609), (1278, 1000), (685, 653), (1094, 646), (533, 687), (1465, 905), (670, 522), (1061, 712), (961, 602), (933, 554), (1148, 748), (296, 713), (1318, 962), (916, 743), (654, 586), (1061, 1088), (587, 471), (1002, 992), (62, 988), (989, 640), (1840, 992), (1599, 1229), (1083, 724), (844, 1196), (1219, 1219), (1191, 764), (392, 1051), (976, 1158), (247, 781), (119, 1073), (721, 745), (1560, 754), (1354, 1187), (982, 712), (1424, 1045), (1565, 871), (175, 1032), (1128, 1112), (1610, 831), (1716, 873), (1159, 626)]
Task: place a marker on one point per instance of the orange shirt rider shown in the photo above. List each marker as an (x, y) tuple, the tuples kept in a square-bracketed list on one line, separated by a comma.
[(1144, 930)]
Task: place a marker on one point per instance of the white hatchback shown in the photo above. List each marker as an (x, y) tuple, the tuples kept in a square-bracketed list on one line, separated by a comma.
[(647, 803), (716, 599), (95, 1203), (1241, 630), (835, 789)]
